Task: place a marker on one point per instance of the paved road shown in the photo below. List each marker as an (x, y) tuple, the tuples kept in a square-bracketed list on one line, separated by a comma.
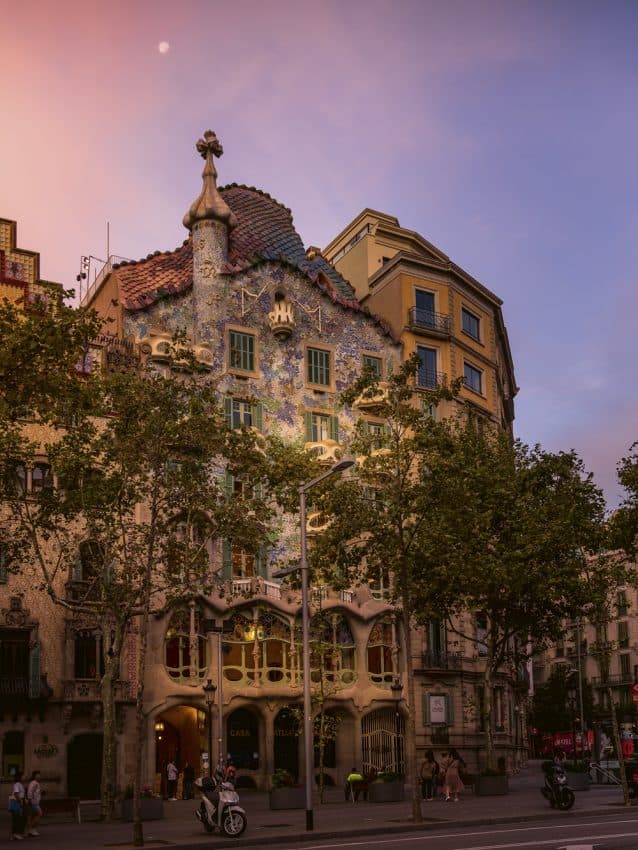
[(618, 832)]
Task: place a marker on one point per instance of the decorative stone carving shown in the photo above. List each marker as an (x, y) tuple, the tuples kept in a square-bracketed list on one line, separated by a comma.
[(373, 399), (281, 318), (316, 522), (95, 717), (67, 713), (157, 346)]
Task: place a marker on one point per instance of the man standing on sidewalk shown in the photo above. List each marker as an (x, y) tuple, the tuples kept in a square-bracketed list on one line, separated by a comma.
[(34, 795), (171, 780)]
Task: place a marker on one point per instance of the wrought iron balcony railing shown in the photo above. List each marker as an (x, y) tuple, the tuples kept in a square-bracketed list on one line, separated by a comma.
[(428, 379), (429, 320), (441, 661), (614, 679)]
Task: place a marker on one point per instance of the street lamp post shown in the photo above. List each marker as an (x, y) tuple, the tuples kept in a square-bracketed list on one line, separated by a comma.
[(397, 692), (343, 464), (209, 692)]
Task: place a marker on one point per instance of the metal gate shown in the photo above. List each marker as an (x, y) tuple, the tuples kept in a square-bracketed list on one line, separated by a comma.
[(382, 741)]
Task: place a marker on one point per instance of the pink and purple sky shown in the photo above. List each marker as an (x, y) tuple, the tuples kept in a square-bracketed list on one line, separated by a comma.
[(504, 132)]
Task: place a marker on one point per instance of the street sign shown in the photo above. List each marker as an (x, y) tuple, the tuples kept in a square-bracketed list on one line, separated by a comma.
[(634, 692)]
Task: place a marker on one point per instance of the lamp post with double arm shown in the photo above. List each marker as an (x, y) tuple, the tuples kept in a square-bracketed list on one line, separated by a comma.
[(343, 464)]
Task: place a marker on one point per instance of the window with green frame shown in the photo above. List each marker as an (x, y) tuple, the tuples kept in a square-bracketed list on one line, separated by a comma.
[(242, 351), (260, 650), (238, 562), (318, 366), (239, 412), (321, 426), (373, 365)]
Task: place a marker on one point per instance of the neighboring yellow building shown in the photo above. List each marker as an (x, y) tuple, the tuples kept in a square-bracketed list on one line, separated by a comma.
[(442, 313), (20, 270)]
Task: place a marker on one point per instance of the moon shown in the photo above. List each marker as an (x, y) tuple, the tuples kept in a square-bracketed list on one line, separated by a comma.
[(163, 47)]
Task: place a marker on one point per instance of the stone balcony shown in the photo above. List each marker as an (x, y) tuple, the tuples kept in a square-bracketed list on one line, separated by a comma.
[(327, 452)]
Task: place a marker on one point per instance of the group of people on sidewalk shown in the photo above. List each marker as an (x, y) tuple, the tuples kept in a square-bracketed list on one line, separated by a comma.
[(223, 773), (442, 779), (24, 806)]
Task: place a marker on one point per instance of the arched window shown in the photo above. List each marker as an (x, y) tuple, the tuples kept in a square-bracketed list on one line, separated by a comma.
[(185, 646), (380, 661), (332, 650), (90, 561), (258, 650)]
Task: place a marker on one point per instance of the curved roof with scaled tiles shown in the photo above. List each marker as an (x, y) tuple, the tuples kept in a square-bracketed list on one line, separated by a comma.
[(264, 233)]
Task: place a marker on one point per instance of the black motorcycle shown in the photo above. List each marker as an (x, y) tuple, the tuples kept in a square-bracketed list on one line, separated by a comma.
[(556, 790)]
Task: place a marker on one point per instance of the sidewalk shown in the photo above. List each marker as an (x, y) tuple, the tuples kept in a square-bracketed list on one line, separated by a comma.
[(179, 827)]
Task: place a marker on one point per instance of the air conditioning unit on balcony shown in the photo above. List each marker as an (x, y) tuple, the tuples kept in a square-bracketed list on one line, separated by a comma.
[(373, 398), (326, 451)]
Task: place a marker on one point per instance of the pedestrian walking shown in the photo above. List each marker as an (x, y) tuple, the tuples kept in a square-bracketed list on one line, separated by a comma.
[(189, 779), (453, 783), (34, 795), (441, 779), (16, 807), (171, 780), (428, 773)]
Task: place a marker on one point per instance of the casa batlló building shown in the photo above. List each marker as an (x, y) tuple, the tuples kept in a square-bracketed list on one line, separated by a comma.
[(282, 332)]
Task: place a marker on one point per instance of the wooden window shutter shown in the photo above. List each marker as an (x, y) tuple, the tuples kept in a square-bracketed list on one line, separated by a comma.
[(228, 411), (227, 560), (308, 426), (77, 569), (261, 562), (229, 484), (34, 671), (426, 709), (258, 415), (334, 428)]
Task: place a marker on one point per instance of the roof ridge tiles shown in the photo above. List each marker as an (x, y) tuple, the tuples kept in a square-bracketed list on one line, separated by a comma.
[(257, 191)]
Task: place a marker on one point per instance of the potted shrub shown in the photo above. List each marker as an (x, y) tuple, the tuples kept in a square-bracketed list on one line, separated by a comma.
[(152, 806), (386, 788), (285, 793), (491, 783)]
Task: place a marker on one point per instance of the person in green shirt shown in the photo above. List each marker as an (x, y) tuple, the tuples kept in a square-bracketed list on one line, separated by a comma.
[(354, 785)]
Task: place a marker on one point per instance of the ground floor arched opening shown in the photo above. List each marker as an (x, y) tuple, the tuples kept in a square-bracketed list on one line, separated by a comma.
[(84, 766), (383, 741), (242, 736), (287, 730), (180, 735)]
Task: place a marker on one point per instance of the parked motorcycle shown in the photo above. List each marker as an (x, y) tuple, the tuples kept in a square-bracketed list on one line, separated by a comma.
[(218, 808), (556, 790)]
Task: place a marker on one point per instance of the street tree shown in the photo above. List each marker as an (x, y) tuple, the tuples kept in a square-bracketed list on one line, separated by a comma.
[(376, 514), (624, 521), (503, 550)]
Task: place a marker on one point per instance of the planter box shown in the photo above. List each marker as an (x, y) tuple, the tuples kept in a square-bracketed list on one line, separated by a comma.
[(288, 798), (578, 781), (385, 792), (152, 808), (491, 786)]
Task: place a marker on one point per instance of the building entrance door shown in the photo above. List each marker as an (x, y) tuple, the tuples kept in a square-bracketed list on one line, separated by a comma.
[(287, 734), (382, 741), (84, 766), (242, 734)]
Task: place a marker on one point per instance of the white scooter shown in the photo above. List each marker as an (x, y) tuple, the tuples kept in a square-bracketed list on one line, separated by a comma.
[(218, 808)]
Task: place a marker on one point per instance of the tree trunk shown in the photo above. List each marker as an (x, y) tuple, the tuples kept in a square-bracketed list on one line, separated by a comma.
[(490, 757), (140, 728), (111, 654), (618, 746), (410, 729)]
